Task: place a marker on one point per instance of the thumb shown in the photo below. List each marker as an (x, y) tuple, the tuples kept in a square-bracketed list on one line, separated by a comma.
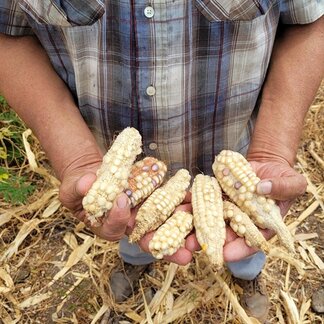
[(84, 183), (74, 188), (283, 188), (115, 224)]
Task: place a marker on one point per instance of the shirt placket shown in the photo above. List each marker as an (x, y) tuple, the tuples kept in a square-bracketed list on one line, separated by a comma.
[(153, 79), (161, 77), (151, 40)]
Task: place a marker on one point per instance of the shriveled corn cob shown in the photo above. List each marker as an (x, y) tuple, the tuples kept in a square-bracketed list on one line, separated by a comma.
[(243, 226), (112, 175), (171, 235), (239, 181), (160, 205), (207, 205), (146, 175)]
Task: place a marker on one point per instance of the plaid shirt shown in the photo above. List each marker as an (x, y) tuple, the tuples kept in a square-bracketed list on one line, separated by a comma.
[(186, 74)]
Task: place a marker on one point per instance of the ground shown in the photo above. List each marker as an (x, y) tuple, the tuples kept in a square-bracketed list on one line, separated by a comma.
[(53, 270)]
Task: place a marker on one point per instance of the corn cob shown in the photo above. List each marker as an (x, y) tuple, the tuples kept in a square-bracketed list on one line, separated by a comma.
[(160, 205), (239, 181), (243, 226), (112, 175), (209, 222), (146, 175), (171, 235)]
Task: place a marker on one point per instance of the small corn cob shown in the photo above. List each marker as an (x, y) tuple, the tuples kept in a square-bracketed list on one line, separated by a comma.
[(243, 226), (112, 175), (146, 175), (239, 181), (160, 205), (207, 205), (171, 235)]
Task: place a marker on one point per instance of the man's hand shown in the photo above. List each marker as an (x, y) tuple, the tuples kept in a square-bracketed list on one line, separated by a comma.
[(76, 181), (278, 181)]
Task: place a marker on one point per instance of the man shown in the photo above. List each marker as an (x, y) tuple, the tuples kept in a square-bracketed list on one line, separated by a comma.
[(188, 75)]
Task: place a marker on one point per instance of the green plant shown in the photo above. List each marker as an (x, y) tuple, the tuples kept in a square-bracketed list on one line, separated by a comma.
[(3, 102), (11, 142), (14, 189)]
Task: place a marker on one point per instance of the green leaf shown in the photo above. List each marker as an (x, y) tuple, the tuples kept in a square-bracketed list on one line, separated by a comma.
[(3, 101), (3, 154), (15, 190), (4, 176)]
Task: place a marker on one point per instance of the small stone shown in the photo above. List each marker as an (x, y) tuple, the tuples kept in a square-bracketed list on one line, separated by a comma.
[(149, 294), (318, 301), (22, 274)]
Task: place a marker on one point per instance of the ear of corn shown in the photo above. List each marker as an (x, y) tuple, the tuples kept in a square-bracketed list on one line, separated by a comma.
[(170, 236), (146, 175), (112, 175), (239, 181), (160, 205), (243, 226), (209, 222)]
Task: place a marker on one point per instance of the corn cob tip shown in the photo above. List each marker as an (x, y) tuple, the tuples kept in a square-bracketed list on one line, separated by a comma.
[(238, 180), (113, 173), (243, 226)]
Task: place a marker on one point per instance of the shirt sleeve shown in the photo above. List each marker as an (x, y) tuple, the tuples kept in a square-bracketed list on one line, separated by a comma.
[(12, 19), (301, 11)]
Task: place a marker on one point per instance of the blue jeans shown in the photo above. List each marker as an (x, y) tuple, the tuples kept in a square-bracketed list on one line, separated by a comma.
[(246, 269)]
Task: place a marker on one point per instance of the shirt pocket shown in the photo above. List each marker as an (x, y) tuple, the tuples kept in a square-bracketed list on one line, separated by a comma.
[(239, 10), (60, 13)]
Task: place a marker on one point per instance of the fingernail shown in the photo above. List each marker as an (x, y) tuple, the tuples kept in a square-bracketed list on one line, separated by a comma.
[(264, 187), (122, 201)]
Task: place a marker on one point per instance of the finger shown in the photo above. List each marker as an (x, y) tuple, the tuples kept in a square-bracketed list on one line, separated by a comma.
[(145, 240), (230, 235), (132, 221), (284, 206), (283, 188), (267, 233), (84, 184), (237, 250), (187, 198), (192, 243), (114, 225), (185, 207), (181, 257)]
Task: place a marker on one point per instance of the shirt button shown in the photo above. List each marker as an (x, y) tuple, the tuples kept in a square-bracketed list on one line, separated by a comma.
[(153, 146), (150, 91), (148, 12)]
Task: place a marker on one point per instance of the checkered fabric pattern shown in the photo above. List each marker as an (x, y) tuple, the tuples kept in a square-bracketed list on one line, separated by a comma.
[(187, 76)]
